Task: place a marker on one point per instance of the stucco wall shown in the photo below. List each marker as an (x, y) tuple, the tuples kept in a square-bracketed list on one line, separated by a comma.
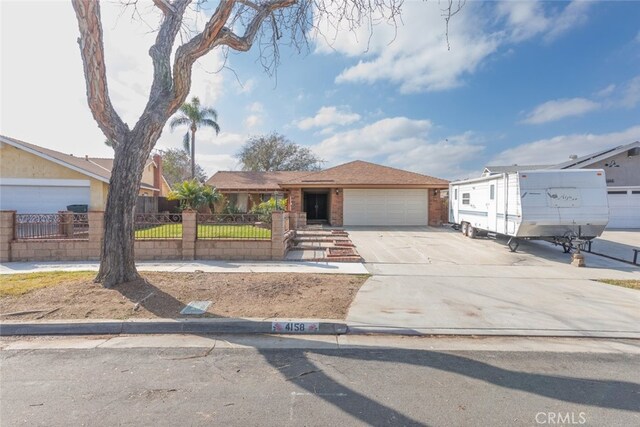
[(625, 174), (20, 164)]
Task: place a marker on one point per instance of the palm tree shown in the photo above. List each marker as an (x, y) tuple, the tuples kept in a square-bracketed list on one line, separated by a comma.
[(194, 117)]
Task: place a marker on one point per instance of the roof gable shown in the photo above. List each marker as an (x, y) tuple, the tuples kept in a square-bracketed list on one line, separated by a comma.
[(94, 167)]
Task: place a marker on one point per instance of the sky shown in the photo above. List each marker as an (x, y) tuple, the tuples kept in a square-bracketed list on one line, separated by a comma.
[(519, 82)]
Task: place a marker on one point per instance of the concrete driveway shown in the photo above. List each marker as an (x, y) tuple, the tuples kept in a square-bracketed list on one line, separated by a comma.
[(435, 280)]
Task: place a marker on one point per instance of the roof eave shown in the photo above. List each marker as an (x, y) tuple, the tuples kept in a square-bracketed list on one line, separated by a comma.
[(52, 159)]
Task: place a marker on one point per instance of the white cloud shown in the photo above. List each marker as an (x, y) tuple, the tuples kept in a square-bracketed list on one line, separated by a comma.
[(328, 116), (246, 87), (256, 107), (574, 15), (253, 121), (527, 19), (47, 72), (417, 58), (605, 92), (403, 143), (560, 108), (559, 148), (631, 93)]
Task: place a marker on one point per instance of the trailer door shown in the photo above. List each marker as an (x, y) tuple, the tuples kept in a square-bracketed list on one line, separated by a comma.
[(492, 217)]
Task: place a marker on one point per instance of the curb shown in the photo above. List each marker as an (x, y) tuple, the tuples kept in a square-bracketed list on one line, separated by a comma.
[(498, 332), (178, 326)]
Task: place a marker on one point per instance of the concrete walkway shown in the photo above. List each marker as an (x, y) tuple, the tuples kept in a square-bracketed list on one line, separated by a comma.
[(193, 266), (436, 281)]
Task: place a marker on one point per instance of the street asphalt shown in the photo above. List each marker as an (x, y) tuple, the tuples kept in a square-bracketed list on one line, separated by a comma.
[(147, 384)]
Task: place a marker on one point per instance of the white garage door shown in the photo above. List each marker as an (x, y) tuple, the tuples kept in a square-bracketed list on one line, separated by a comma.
[(385, 207), (42, 196), (624, 208)]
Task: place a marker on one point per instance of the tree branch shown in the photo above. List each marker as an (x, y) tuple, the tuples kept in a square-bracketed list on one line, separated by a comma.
[(165, 6), (244, 43), (95, 74)]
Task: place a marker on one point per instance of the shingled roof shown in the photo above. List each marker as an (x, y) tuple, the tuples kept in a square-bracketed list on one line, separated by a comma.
[(349, 174), (259, 181), (360, 172)]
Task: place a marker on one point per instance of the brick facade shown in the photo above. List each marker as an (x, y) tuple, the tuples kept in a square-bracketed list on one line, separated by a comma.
[(437, 209), (336, 203), (295, 200), (187, 248)]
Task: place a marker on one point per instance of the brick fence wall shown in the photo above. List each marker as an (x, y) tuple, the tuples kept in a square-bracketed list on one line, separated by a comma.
[(187, 248)]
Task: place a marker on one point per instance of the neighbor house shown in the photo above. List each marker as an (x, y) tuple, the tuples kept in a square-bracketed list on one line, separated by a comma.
[(354, 193), (622, 169), (35, 179)]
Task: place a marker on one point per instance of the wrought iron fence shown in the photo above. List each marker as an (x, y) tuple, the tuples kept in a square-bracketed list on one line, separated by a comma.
[(62, 225), (158, 226), (233, 226)]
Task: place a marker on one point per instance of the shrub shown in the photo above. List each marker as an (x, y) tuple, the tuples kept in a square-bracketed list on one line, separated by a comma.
[(193, 194), (264, 209)]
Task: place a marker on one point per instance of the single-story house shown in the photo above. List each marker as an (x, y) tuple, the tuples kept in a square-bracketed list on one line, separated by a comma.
[(622, 169), (36, 179), (354, 193)]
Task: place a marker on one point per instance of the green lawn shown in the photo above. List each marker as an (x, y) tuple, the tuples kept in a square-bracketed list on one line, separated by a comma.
[(206, 231), (631, 283)]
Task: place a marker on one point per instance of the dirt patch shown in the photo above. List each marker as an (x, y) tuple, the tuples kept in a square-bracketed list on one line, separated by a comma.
[(163, 295)]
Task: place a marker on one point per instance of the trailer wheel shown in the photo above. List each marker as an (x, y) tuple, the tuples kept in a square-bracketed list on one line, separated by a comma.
[(472, 232)]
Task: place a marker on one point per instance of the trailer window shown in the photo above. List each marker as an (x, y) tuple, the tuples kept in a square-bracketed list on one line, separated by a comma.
[(492, 192), (466, 197), (455, 194)]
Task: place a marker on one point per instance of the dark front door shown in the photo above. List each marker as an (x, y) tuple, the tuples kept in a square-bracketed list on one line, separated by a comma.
[(315, 205)]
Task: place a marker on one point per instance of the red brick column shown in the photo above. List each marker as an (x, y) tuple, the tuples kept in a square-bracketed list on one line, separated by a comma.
[(7, 233), (337, 205), (189, 233), (435, 207), (295, 200)]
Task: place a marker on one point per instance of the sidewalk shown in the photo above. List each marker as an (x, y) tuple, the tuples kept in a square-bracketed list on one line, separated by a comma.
[(196, 266)]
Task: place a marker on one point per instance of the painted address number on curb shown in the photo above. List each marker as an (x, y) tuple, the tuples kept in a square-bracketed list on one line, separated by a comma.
[(294, 327)]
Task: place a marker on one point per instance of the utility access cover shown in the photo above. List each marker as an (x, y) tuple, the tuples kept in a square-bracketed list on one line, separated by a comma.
[(196, 307)]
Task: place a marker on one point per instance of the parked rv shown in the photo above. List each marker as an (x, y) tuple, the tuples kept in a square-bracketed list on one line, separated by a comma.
[(560, 206)]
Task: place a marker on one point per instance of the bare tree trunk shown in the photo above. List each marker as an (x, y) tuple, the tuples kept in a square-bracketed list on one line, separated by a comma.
[(193, 153), (118, 259)]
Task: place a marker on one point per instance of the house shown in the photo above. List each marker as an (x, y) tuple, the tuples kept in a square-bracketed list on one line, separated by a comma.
[(622, 169), (351, 194), (36, 179)]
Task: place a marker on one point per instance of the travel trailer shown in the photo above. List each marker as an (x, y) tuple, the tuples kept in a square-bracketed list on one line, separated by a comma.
[(560, 206)]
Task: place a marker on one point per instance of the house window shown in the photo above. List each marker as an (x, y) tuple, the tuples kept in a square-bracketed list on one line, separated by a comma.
[(492, 192), (265, 197), (466, 197)]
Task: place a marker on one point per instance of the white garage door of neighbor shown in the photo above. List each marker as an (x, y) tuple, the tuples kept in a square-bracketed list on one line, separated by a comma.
[(385, 207), (42, 196), (624, 208)]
